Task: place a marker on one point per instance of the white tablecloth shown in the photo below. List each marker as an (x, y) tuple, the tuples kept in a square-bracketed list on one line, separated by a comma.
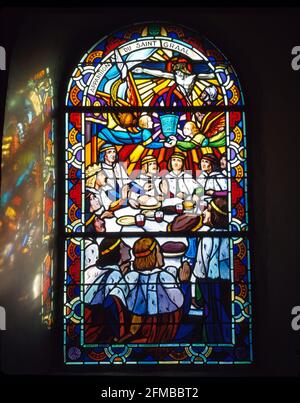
[(150, 224)]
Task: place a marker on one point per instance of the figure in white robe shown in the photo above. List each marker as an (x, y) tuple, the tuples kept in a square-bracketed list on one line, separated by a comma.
[(211, 179), (214, 181), (212, 253), (211, 276), (148, 186), (116, 175), (181, 184), (114, 171), (102, 313)]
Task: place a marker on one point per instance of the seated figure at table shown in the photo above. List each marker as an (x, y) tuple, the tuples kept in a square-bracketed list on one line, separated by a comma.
[(152, 296), (101, 202), (95, 211), (116, 174), (180, 183), (149, 188), (112, 200), (214, 216), (211, 179), (103, 191)]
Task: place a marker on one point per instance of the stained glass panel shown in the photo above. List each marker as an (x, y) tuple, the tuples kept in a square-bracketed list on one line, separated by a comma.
[(160, 311), (134, 69), (156, 214), (162, 138)]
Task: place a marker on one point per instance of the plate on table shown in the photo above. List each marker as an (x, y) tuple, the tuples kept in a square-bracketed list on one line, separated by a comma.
[(126, 220), (172, 201), (150, 214), (151, 207)]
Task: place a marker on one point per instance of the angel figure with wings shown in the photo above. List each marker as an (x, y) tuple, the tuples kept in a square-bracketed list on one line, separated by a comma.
[(212, 134)]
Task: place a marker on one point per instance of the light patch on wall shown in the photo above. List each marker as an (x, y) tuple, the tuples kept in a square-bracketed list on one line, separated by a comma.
[(37, 286), (2, 318), (2, 58)]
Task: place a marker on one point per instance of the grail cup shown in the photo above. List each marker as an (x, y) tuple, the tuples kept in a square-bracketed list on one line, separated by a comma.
[(169, 124)]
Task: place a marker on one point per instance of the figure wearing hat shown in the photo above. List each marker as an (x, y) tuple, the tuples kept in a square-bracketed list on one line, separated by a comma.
[(180, 183), (149, 183), (117, 177), (211, 179), (112, 263)]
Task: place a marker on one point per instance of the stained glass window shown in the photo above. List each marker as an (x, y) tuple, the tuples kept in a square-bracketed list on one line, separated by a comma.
[(156, 215)]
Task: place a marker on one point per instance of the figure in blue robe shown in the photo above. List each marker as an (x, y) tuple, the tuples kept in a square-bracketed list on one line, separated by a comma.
[(143, 137)]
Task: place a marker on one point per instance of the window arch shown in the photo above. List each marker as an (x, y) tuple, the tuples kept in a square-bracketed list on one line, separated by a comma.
[(156, 234)]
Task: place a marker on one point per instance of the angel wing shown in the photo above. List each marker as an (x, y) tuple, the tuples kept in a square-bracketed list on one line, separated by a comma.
[(213, 123)]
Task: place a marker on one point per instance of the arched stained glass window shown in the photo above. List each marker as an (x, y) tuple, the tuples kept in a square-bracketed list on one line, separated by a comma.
[(156, 241)]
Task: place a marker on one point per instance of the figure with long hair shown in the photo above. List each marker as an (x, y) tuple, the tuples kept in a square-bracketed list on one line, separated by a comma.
[(149, 184), (155, 298), (180, 183), (211, 179), (194, 138), (181, 74)]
